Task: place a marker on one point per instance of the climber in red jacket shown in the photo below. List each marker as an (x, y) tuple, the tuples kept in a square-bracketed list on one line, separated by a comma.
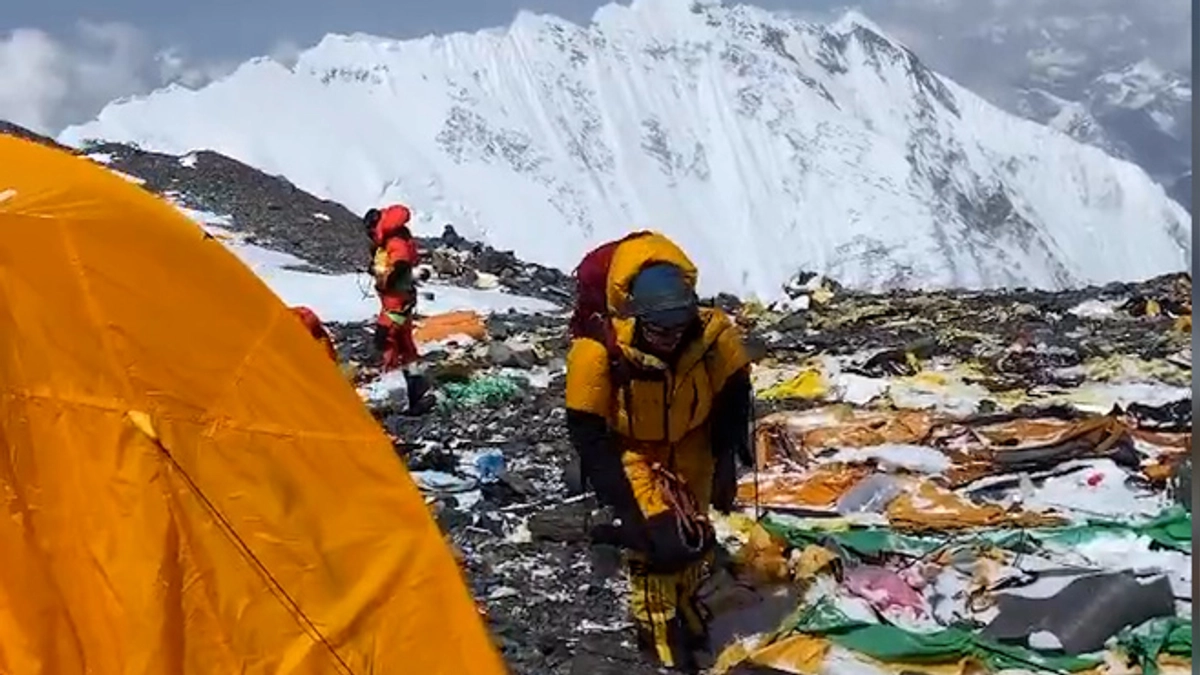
[(394, 261)]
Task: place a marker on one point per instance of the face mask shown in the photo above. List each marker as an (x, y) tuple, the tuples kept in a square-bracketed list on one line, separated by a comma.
[(660, 339)]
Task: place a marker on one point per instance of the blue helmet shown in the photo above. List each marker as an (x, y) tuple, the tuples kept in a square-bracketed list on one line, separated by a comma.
[(661, 295)]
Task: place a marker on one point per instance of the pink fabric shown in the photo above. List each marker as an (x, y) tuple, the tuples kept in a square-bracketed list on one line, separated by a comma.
[(883, 588)]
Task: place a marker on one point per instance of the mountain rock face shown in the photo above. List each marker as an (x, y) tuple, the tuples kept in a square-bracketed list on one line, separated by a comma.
[(1137, 112), (765, 145), (1103, 71)]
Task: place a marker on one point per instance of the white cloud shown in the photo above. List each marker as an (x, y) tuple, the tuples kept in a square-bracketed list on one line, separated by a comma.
[(47, 82)]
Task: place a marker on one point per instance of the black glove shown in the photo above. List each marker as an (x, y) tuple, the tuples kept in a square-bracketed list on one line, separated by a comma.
[(724, 487), (731, 429), (674, 544), (624, 535)]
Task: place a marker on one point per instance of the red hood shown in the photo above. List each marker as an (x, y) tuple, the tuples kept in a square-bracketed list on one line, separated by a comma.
[(391, 220)]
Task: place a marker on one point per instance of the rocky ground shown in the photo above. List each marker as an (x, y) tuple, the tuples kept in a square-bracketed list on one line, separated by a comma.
[(554, 603), (280, 216)]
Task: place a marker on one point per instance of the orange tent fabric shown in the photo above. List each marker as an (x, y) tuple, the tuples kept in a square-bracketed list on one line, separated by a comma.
[(189, 484), (442, 326)]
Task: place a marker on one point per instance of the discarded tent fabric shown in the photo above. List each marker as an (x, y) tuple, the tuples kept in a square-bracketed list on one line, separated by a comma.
[(928, 507), (891, 644), (863, 541), (809, 384), (1147, 642), (793, 655), (218, 503), (819, 489), (1082, 616), (449, 325), (1171, 530)]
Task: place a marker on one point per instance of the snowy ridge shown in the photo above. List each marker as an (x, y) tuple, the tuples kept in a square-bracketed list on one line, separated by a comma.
[(764, 145)]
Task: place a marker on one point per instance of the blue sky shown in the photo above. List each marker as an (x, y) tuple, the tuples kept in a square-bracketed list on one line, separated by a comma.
[(62, 60)]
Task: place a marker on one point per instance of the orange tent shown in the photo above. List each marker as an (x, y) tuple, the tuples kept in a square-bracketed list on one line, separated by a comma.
[(190, 485)]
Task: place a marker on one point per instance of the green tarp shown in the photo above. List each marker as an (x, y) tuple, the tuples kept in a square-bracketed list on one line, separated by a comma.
[(889, 643), (1159, 636), (1172, 529), (864, 541)]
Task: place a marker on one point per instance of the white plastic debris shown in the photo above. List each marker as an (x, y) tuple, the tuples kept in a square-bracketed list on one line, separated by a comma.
[(391, 389), (1044, 640), (1096, 309)]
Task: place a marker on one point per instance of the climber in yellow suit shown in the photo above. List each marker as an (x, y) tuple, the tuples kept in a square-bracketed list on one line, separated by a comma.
[(659, 409)]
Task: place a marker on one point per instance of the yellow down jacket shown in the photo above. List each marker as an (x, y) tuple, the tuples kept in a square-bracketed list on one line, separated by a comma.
[(661, 415)]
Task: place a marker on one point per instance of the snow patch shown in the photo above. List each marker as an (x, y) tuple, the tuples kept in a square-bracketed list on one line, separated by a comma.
[(1096, 309), (915, 458), (1099, 489), (131, 178), (349, 298)]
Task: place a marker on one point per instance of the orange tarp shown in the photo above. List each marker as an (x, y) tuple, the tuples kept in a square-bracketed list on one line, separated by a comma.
[(190, 485), (867, 429), (801, 654), (929, 507), (818, 489), (442, 326), (1093, 437), (977, 450), (796, 436)]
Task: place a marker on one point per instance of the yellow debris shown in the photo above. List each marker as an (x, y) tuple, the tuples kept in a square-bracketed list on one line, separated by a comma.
[(822, 295), (809, 384), (736, 653), (762, 557), (811, 562), (799, 654)]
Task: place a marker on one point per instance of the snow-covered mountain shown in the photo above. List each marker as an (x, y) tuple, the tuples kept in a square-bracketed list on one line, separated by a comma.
[(1137, 112), (764, 144), (1111, 73)]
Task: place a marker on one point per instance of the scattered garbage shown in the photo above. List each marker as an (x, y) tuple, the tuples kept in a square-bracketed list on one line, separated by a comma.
[(925, 461), (389, 391), (466, 326), (1085, 614), (479, 390), (1000, 478), (489, 465)]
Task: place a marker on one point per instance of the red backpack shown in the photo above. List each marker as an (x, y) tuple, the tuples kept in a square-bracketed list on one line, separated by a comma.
[(590, 318)]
